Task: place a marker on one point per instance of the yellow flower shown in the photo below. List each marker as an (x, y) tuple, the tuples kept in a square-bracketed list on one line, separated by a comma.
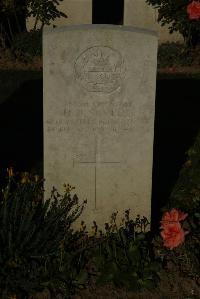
[(25, 178), (68, 188), (188, 163), (10, 172), (83, 226), (36, 177)]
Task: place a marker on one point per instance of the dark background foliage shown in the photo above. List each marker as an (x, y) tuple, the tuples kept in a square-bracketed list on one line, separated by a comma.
[(174, 15)]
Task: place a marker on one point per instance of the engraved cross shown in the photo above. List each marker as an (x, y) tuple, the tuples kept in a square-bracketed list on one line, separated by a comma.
[(95, 162)]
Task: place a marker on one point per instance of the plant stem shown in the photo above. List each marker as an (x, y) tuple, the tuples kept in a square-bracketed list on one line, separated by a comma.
[(36, 21), (42, 26), (17, 22), (10, 30)]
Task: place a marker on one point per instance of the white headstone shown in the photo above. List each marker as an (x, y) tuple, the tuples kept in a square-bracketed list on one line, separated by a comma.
[(99, 98)]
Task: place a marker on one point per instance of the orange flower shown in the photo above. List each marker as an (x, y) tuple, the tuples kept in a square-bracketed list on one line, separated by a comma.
[(173, 235), (172, 217), (25, 178), (36, 177), (10, 172), (193, 10)]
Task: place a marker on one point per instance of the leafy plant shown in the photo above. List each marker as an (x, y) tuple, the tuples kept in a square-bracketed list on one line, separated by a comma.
[(124, 255), (27, 45), (186, 192), (174, 14), (186, 196), (44, 11), (174, 54), (14, 13), (31, 236)]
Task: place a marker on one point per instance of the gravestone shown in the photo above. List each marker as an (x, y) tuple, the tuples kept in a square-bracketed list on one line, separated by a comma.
[(99, 98)]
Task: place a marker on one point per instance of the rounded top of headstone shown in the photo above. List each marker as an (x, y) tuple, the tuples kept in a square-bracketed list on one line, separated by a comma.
[(101, 27)]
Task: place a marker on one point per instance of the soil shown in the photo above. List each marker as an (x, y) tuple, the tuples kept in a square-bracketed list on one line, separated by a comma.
[(9, 62), (180, 70), (172, 286)]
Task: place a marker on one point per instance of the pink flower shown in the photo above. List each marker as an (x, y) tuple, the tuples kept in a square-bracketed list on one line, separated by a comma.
[(193, 10), (172, 217), (173, 235)]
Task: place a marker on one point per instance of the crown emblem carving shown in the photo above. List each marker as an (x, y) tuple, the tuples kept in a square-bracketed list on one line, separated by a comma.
[(99, 62), (99, 69)]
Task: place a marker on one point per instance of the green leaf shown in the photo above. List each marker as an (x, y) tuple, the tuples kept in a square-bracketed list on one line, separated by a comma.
[(146, 284), (99, 261), (82, 277)]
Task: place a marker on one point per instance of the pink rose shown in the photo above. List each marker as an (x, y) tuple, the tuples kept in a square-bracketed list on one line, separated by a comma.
[(173, 216), (193, 10), (173, 235)]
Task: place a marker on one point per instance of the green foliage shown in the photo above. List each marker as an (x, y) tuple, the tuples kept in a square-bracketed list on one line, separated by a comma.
[(40, 251), (44, 11), (32, 234), (124, 256), (174, 54), (12, 20), (13, 15), (174, 14), (27, 45), (186, 193), (186, 197)]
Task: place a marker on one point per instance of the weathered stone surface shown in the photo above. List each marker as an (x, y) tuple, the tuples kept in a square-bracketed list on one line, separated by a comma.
[(99, 96)]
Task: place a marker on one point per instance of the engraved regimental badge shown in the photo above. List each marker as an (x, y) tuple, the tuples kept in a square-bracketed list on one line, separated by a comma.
[(99, 69)]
